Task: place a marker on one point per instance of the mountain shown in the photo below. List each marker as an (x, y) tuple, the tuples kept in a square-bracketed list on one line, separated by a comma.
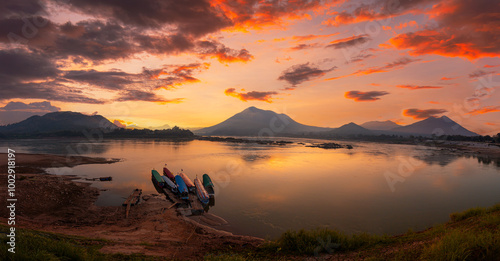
[(57, 122), (433, 125), (350, 129), (256, 122), (380, 125)]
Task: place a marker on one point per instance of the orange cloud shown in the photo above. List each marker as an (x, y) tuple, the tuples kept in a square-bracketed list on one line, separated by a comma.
[(398, 64), (447, 79), (491, 124), (364, 96), (491, 66), (175, 75), (465, 28), (406, 24), (120, 123), (484, 110), (418, 114), (257, 15), (312, 37), (434, 102), (253, 95), (414, 87)]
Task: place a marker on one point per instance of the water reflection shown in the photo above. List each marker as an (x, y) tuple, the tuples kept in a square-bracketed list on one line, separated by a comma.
[(264, 190)]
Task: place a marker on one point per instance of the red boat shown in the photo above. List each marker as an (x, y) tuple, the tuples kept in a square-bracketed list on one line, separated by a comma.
[(168, 173)]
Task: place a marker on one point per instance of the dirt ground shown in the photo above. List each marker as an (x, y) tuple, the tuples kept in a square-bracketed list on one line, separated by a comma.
[(58, 204)]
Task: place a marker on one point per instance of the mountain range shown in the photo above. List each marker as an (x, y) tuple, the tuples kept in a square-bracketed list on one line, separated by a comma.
[(250, 122), (256, 122)]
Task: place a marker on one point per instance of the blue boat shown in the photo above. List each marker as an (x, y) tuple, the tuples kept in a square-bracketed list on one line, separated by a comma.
[(170, 184), (181, 186)]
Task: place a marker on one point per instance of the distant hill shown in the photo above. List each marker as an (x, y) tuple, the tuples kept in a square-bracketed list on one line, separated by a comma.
[(256, 122), (58, 122), (433, 125), (350, 129), (380, 125)]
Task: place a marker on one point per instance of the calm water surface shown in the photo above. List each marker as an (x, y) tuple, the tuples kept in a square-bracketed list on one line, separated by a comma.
[(264, 190)]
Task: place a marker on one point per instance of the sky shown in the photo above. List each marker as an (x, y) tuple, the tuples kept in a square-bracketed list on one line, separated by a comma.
[(194, 63)]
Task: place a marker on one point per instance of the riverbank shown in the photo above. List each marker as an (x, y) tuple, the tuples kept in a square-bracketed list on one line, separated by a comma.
[(59, 204)]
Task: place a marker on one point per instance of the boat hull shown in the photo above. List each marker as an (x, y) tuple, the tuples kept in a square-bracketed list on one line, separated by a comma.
[(157, 179), (209, 186), (181, 186), (201, 192), (188, 182)]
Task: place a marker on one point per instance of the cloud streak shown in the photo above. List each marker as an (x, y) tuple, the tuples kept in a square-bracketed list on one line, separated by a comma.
[(418, 87), (251, 96), (300, 73), (419, 114), (396, 65), (349, 41), (359, 96)]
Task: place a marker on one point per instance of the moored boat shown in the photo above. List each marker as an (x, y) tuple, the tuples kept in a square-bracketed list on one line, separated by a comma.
[(170, 184), (209, 186), (189, 183), (157, 179), (168, 173), (181, 186), (201, 192)]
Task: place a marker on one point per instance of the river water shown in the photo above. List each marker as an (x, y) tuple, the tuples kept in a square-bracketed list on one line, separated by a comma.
[(264, 190)]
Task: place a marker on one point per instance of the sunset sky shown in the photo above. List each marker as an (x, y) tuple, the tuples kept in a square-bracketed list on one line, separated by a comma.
[(195, 63)]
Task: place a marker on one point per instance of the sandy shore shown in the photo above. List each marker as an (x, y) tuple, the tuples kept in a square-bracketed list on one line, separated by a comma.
[(59, 204)]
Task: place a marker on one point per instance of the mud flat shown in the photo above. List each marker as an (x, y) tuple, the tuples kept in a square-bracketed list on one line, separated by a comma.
[(57, 203)]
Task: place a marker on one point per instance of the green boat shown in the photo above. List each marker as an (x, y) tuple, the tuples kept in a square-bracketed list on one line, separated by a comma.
[(157, 179), (209, 186)]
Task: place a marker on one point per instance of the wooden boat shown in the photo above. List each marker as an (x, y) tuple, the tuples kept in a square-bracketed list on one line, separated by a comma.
[(157, 179), (170, 184), (168, 173), (132, 200), (189, 183), (181, 186), (209, 186), (201, 192)]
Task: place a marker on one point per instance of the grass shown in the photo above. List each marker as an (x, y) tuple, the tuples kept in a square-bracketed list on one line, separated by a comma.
[(36, 245), (470, 235)]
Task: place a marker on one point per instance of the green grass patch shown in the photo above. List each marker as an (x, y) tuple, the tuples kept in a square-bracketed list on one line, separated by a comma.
[(318, 241), (465, 245)]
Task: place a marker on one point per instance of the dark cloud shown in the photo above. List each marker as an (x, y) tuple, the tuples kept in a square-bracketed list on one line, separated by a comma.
[(18, 65), (139, 95), (49, 90), (165, 44), (464, 28), (300, 73), (30, 107), (17, 111), (10, 8), (360, 57), (418, 87), (251, 96), (423, 114), (480, 73), (193, 17), (113, 80), (364, 96), (379, 9), (222, 53), (305, 46), (349, 41)]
